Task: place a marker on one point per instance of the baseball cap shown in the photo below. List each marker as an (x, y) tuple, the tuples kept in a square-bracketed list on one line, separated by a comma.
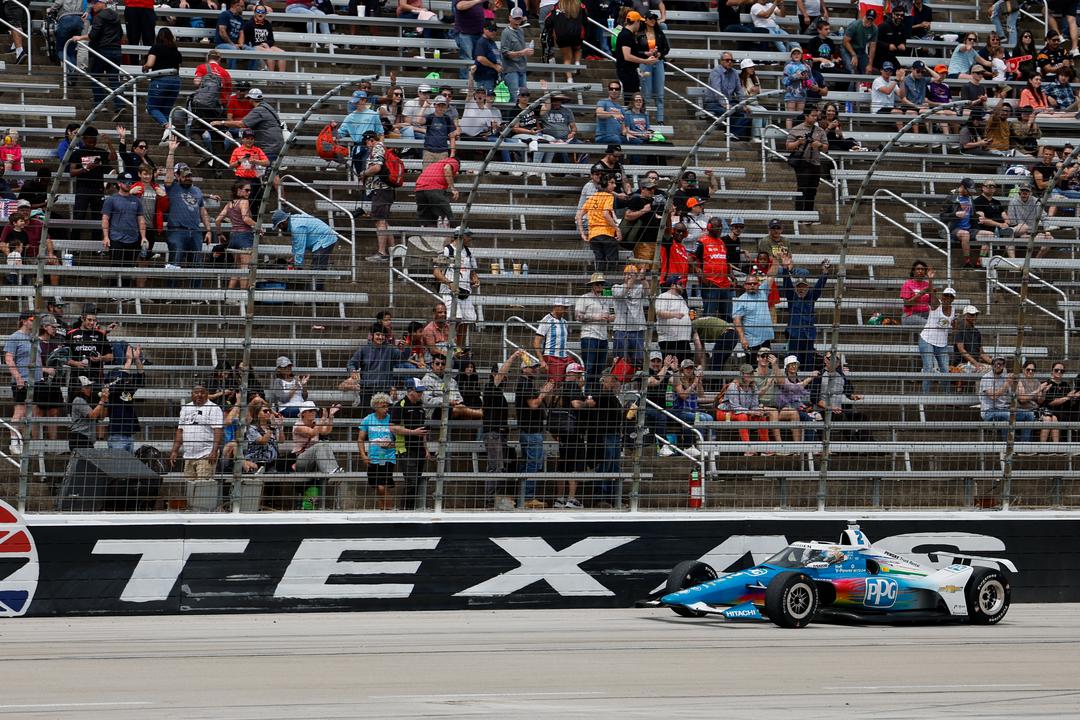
[(971, 310), (737, 220), (85, 381), (48, 319), (248, 133), (656, 355), (278, 217), (746, 63), (746, 368), (369, 135), (126, 178), (790, 359), (575, 369), (1025, 186), (687, 363), (517, 13), (414, 384), (22, 202), (647, 183), (359, 95), (949, 291), (774, 223), (308, 405), (560, 301), (918, 65), (694, 202), (597, 278), (283, 361), (888, 66), (524, 92), (690, 176), (440, 100), (613, 147), (633, 16), (967, 183), (872, 14), (424, 87), (490, 25), (940, 69), (255, 94), (181, 169)]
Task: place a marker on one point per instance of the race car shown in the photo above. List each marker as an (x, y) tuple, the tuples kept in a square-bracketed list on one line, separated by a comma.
[(848, 581)]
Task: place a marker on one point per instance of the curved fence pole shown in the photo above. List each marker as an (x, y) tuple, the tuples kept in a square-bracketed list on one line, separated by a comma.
[(841, 272), (444, 424), (1021, 314), (249, 309), (669, 203), (39, 278)]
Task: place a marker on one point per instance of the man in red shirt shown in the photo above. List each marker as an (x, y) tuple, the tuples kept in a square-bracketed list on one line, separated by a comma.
[(209, 100), (715, 271), (435, 190)]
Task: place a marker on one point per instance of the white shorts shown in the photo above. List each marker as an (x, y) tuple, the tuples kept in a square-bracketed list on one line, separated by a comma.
[(465, 310)]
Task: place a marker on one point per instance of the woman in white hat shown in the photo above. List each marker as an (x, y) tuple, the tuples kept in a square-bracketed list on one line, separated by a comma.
[(308, 452), (288, 391), (793, 398)]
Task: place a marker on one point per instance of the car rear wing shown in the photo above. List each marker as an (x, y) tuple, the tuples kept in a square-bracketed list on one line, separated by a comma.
[(952, 558)]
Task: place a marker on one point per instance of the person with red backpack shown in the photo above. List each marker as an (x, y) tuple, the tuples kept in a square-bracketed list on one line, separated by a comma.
[(379, 177)]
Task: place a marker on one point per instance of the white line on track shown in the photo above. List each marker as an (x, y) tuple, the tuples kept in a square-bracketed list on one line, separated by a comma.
[(481, 695), (46, 706), (932, 687)]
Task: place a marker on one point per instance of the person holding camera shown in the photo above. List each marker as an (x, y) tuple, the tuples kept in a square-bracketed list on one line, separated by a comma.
[(458, 278), (806, 143), (199, 433)]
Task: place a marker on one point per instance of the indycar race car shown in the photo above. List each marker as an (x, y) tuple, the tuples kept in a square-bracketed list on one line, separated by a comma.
[(849, 581)]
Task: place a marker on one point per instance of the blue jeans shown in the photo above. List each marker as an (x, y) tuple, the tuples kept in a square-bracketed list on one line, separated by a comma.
[(1023, 435), (487, 83), (121, 442), (594, 353), (630, 346), (861, 58), (514, 80), (802, 348), (780, 46), (161, 97), (652, 88), (930, 355), (231, 62), (611, 459), (716, 301), (532, 450), (106, 73), (68, 27), (466, 45), (185, 250), (1010, 22), (546, 157), (296, 9)]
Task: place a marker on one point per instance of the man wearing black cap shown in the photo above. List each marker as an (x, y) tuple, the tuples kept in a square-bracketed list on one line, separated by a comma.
[(89, 165), (611, 164), (123, 226), (860, 43), (688, 188), (488, 58)]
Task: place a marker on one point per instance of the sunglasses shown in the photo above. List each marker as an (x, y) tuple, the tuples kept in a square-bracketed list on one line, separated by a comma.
[(260, 12), (614, 89), (265, 410), (438, 362), (1058, 370), (141, 146), (726, 60)]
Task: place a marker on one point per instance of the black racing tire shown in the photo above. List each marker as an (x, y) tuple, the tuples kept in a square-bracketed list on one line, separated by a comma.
[(791, 600), (989, 594), (685, 575)]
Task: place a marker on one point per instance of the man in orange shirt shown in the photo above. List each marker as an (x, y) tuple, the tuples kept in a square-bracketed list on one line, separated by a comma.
[(603, 234), (249, 162)]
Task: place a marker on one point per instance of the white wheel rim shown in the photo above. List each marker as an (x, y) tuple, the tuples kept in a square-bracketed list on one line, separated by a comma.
[(800, 600), (991, 598)]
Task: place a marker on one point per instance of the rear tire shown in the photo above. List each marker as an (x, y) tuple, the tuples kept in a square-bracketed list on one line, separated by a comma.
[(989, 594), (685, 575), (791, 600)]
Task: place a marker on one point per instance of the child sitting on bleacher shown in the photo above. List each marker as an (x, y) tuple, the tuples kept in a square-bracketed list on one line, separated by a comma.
[(11, 152)]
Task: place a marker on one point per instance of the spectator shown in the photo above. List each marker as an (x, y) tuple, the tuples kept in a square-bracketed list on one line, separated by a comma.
[(610, 163), (991, 219), (264, 121), (629, 336), (810, 13), (138, 156), (20, 348), (687, 400), (795, 80), (915, 293), (309, 235), (595, 313), (674, 320), (48, 398), (550, 341), (70, 22), (488, 60), (961, 227), (1024, 215), (436, 334), (568, 406), (360, 120), (438, 385), (123, 226), (163, 91), (530, 401), (802, 316), (967, 342), (733, 242), (249, 162), (496, 426), (763, 15), (416, 109), (187, 218), (230, 28), (793, 398), (999, 131), (378, 450), (1051, 58), (885, 90), (82, 433), (469, 24), (822, 53), (1033, 96), (105, 36), (1030, 398), (973, 139), (309, 453), (739, 402), (374, 365), (434, 191), (652, 38), (124, 382), (674, 256), (996, 391), (309, 7), (805, 143), (199, 432), (1061, 92), (1056, 9), (729, 16), (440, 132), (934, 338), (238, 105), (689, 188), (726, 89), (264, 434), (480, 120), (610, 120), (860, 43), (213, 83), (381, 193), (892, 38), (515, 52), (628, 55), (603, 232), (458, 278), (1010, 11), (1060, 401), (241, 229), (408, 419), (753, 322), (965, 57), (831, 389), (90, 348), (1022, 58), (288, 392), (89, 165), (557, 123), (605, 435), (834, 134), (259, 36), (911, 93), (642, 218)]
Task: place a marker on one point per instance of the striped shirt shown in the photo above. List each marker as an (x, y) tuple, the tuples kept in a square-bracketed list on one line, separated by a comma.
[(554, 331)]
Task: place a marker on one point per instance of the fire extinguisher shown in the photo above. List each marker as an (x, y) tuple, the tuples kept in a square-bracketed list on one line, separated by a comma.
[(697, 490)]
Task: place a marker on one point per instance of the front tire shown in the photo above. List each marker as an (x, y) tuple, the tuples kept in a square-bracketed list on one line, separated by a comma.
[(791, 600), (988, 594), (685, 575)]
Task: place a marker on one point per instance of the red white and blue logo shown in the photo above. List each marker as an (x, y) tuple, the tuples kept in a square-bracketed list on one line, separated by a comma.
[(18, 563)]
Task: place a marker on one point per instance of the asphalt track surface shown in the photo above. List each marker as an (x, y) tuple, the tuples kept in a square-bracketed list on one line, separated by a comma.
[(534, 664)]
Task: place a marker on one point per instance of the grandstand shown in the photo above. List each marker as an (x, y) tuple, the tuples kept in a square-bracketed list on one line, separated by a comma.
[(902, 438)]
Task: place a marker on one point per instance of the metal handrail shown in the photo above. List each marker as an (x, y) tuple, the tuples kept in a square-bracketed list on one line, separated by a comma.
[(133, 103), (991, 277), (28, 35), (352, 217), (767, 150), (526, 323), (212, 128), (1040, 20), (197, 146), (875, 213), (700, 459)]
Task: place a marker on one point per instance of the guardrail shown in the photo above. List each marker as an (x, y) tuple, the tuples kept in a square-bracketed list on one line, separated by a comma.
[(875, 213)]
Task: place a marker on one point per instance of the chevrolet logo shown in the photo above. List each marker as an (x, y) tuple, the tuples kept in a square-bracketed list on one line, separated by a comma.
[(950, 588)]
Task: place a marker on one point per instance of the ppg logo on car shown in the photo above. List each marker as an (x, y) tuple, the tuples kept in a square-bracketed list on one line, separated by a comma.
[(880, 592)]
